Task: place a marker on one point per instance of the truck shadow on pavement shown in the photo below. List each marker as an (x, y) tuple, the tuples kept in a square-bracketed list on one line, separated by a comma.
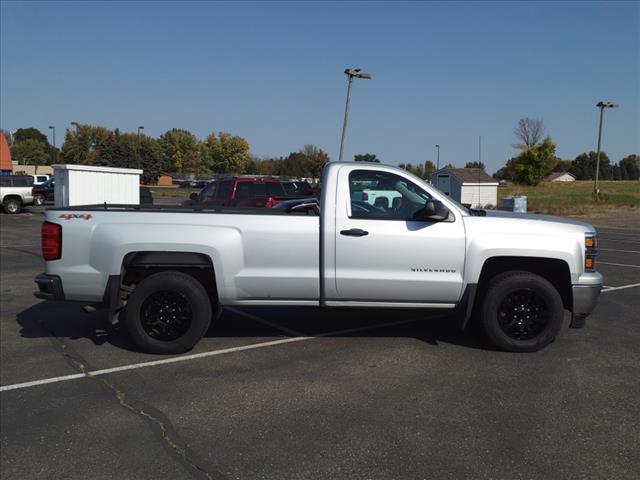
[(67, 321)]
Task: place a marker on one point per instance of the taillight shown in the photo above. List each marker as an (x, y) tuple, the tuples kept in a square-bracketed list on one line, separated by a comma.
[(51, 241)]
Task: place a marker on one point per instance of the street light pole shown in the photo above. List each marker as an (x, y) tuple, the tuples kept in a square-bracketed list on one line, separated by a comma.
[(601, 106), (438, 160), (351, 74), (53, 154), (141, 127)]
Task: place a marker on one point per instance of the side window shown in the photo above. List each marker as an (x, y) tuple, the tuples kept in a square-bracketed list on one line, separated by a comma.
[(242, 190), (275, 190), (223, 191), (384, 196), (208, 193)]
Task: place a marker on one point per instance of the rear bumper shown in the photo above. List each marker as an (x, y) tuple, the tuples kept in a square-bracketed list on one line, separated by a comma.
[(585, 296), (49, 287)]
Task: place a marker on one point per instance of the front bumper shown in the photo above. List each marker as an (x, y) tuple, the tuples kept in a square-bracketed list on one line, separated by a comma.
[(49, 287), (585, 297)]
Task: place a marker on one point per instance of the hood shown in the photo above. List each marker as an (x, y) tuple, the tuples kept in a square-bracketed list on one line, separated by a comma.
[(540, 218)]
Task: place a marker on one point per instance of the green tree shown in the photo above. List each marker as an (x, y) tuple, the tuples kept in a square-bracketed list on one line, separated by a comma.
[(417, 170), (429, 168), (308, 162), (562, 166), (269, 166), (534, 163), (479, 165), (31, 152), (630, 167), (24, 134), (80, 144), (584, 166), (366, 157), (226, 153), (175, 144)]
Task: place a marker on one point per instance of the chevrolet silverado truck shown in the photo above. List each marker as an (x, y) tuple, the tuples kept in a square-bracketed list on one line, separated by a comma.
[(166, 272)]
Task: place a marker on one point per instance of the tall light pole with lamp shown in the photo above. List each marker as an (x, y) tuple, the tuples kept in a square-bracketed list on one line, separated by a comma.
[(351, 73), (601, 106), (438, 158), (53, 153), (141, 127)]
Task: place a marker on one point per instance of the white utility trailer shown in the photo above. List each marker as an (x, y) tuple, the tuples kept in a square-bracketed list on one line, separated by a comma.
[(90, 185)]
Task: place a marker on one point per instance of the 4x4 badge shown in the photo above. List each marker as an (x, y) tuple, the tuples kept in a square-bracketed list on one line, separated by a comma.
[(69, 216)]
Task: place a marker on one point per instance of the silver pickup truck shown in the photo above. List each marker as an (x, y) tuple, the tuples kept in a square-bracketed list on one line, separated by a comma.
[(166, 271)]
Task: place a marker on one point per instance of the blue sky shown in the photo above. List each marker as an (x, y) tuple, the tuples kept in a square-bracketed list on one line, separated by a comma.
[(272, 72)]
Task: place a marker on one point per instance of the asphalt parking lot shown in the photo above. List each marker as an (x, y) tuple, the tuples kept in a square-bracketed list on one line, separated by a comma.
[(311, 394)]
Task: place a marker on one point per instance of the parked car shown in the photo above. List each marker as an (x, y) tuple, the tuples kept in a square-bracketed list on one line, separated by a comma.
[(298, 188), (193, 184), (39, 179), (169, 269), (15, 192), (44, 192), (240, 192)]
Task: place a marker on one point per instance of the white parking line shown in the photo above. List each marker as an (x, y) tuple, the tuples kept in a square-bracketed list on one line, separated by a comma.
[(255, 318), (621, 287), (618, 264), (616, 250), (195, 356)]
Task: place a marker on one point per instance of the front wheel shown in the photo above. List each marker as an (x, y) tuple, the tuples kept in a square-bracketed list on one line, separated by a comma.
[(168, 312), (521, 312)]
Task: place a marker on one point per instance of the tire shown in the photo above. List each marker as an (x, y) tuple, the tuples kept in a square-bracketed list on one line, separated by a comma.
[(168, 312), (521, 312), (12, 206), (38, 199)]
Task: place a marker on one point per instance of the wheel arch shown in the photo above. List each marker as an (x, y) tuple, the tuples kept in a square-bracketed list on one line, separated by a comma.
[(555, 271), (138, 265)]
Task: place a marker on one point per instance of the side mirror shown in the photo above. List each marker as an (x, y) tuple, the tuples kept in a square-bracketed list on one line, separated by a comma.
[(194, 196), (434, 210)]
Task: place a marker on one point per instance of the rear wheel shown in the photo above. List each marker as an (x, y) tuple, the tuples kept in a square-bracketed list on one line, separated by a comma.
[(521, 312), (12, 205), (38, 199), (168, 312)]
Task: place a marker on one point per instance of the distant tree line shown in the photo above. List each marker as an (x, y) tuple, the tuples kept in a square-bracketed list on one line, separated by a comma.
[(177, 152)]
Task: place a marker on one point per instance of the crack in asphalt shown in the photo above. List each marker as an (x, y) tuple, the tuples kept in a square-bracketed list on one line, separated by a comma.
[(196, 466)]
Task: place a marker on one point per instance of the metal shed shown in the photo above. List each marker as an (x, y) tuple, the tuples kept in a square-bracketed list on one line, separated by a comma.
[(88, 184), (469, 186)]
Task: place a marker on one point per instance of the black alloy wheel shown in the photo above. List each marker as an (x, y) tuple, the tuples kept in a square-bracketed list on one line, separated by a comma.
[(521, 311), (168, 312), (523, 314), (166, 315)]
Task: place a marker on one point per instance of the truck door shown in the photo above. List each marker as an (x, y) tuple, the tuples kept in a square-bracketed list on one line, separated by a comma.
[(383, 255)]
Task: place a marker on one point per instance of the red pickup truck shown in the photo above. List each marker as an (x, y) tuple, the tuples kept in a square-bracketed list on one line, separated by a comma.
[(240, 192)]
